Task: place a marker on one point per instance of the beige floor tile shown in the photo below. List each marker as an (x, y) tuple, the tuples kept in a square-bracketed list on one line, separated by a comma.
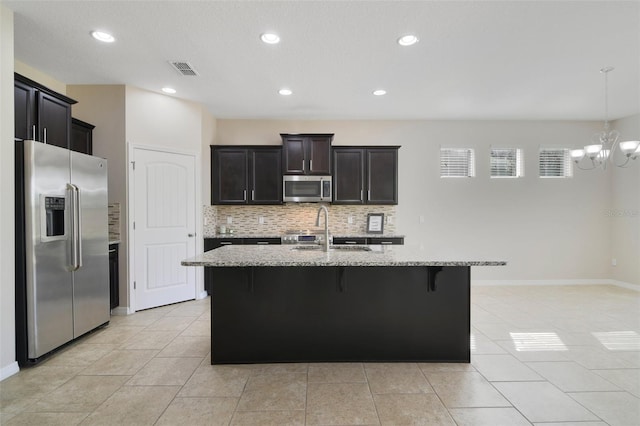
[(49, 419), (337, 373), (170, 324), (572, 377), (257, 369), (550, 353), (113, 334), (543, 402), (141, 405), (150, 340), (396, 378), (488, 417), (465, 389), (627, 379), (268, 418), (481, 344), (188, 310), (340, 404), (502, 368), (571, 424), (80, 394), (198, 411), (140, 318), (187, 346), (434, 367), (11, 407), (81, 354), (615, 408), (411, 409), (278, 391), (198, 328), (35, 381), (596, 358), (165, 371), (120, 363), (216, 381)]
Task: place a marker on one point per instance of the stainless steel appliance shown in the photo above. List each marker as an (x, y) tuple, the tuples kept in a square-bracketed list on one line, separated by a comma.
[(306, 189), (303, 236), (62, 247)]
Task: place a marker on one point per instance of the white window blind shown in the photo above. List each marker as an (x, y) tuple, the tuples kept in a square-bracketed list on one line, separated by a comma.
[(555, 162), (506, 163), (457, 162)]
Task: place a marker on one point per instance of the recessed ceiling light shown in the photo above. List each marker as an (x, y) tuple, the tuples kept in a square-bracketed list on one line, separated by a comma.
[(285, 92), (103, 37), (169, 90), (407, 40), (380, 92), (270, 38)]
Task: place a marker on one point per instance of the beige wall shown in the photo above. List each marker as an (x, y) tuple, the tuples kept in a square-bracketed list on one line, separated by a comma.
[(8, 364), (42, 78), (624, 211), (547, 229)]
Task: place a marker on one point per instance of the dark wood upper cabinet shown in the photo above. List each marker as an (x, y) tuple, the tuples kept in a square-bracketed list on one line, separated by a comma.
[(365, 175), (382, 175), (81, 136), (246, 175), (306, 154), (40, 113), (348, 175)]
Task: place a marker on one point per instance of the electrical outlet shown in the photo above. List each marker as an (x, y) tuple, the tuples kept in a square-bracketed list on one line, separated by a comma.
[(389, 220), (614, 262), (229, 220), (206, 221), (421, 219), (261, 220), (350, 220)]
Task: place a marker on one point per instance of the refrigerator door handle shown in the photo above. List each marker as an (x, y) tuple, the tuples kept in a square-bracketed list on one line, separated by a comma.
[(76, 243)]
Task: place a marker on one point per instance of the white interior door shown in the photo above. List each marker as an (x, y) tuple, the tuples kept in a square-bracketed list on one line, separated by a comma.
[(164, 227)]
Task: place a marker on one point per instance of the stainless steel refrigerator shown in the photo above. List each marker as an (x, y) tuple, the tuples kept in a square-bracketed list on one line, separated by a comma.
[(62, 247)]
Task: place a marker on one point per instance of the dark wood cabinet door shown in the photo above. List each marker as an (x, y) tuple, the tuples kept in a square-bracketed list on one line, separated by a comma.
[(54, 120), (81, 136), (229, 176), (319, 155), (266, 176), (25, 110), (382, 176), (348, 176), (293, 155), (114, 286)]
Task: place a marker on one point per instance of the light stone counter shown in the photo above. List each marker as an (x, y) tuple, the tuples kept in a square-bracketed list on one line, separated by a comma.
[(286, 255)]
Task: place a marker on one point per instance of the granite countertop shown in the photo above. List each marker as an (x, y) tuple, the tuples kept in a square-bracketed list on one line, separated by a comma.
[(286, 255), (234, 235)]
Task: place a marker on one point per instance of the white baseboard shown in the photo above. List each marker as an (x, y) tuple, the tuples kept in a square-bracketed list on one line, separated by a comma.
[(485, 283), (9, 370), (202, 295), (121, 311)]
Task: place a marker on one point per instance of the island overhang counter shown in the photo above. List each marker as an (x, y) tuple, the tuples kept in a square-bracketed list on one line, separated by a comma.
[(286, 304)]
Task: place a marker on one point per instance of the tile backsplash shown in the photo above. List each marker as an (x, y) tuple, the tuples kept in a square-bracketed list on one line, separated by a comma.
[(278, 219), (114, 221)]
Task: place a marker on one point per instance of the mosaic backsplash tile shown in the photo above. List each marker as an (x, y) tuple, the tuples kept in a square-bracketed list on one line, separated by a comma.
[(114, 221), (278, 219)]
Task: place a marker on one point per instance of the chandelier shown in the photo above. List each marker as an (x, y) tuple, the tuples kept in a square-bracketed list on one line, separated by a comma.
[(605, 147)]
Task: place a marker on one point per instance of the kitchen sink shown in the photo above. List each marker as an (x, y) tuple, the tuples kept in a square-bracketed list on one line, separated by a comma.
[(339, 248)]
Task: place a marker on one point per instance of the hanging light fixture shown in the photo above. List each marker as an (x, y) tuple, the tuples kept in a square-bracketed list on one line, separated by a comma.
[(604, 145)]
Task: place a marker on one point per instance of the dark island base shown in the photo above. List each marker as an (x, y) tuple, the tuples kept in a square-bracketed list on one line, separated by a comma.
[(331, 314)]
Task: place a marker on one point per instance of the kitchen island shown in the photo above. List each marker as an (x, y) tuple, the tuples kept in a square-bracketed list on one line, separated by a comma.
[(294, 304)]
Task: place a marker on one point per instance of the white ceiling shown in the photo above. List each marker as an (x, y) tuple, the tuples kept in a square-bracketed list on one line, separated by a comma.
[(475, 60)]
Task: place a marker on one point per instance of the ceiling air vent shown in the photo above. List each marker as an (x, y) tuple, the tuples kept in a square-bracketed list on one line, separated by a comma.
[(184, 68)]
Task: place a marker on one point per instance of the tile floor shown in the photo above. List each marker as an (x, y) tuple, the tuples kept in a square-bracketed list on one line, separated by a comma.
[(566, 355)]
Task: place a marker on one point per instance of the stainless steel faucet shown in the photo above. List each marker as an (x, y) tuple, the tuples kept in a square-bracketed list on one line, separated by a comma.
[(326, 225)]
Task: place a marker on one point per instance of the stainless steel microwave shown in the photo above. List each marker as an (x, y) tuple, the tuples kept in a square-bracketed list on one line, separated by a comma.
[(306, 189)]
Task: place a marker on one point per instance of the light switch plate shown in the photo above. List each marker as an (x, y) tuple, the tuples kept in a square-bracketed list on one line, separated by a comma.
[(229, 220)]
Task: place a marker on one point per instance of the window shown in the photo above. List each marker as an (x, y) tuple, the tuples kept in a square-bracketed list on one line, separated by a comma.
[(555, 163), (506, 163), (457, 162)]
